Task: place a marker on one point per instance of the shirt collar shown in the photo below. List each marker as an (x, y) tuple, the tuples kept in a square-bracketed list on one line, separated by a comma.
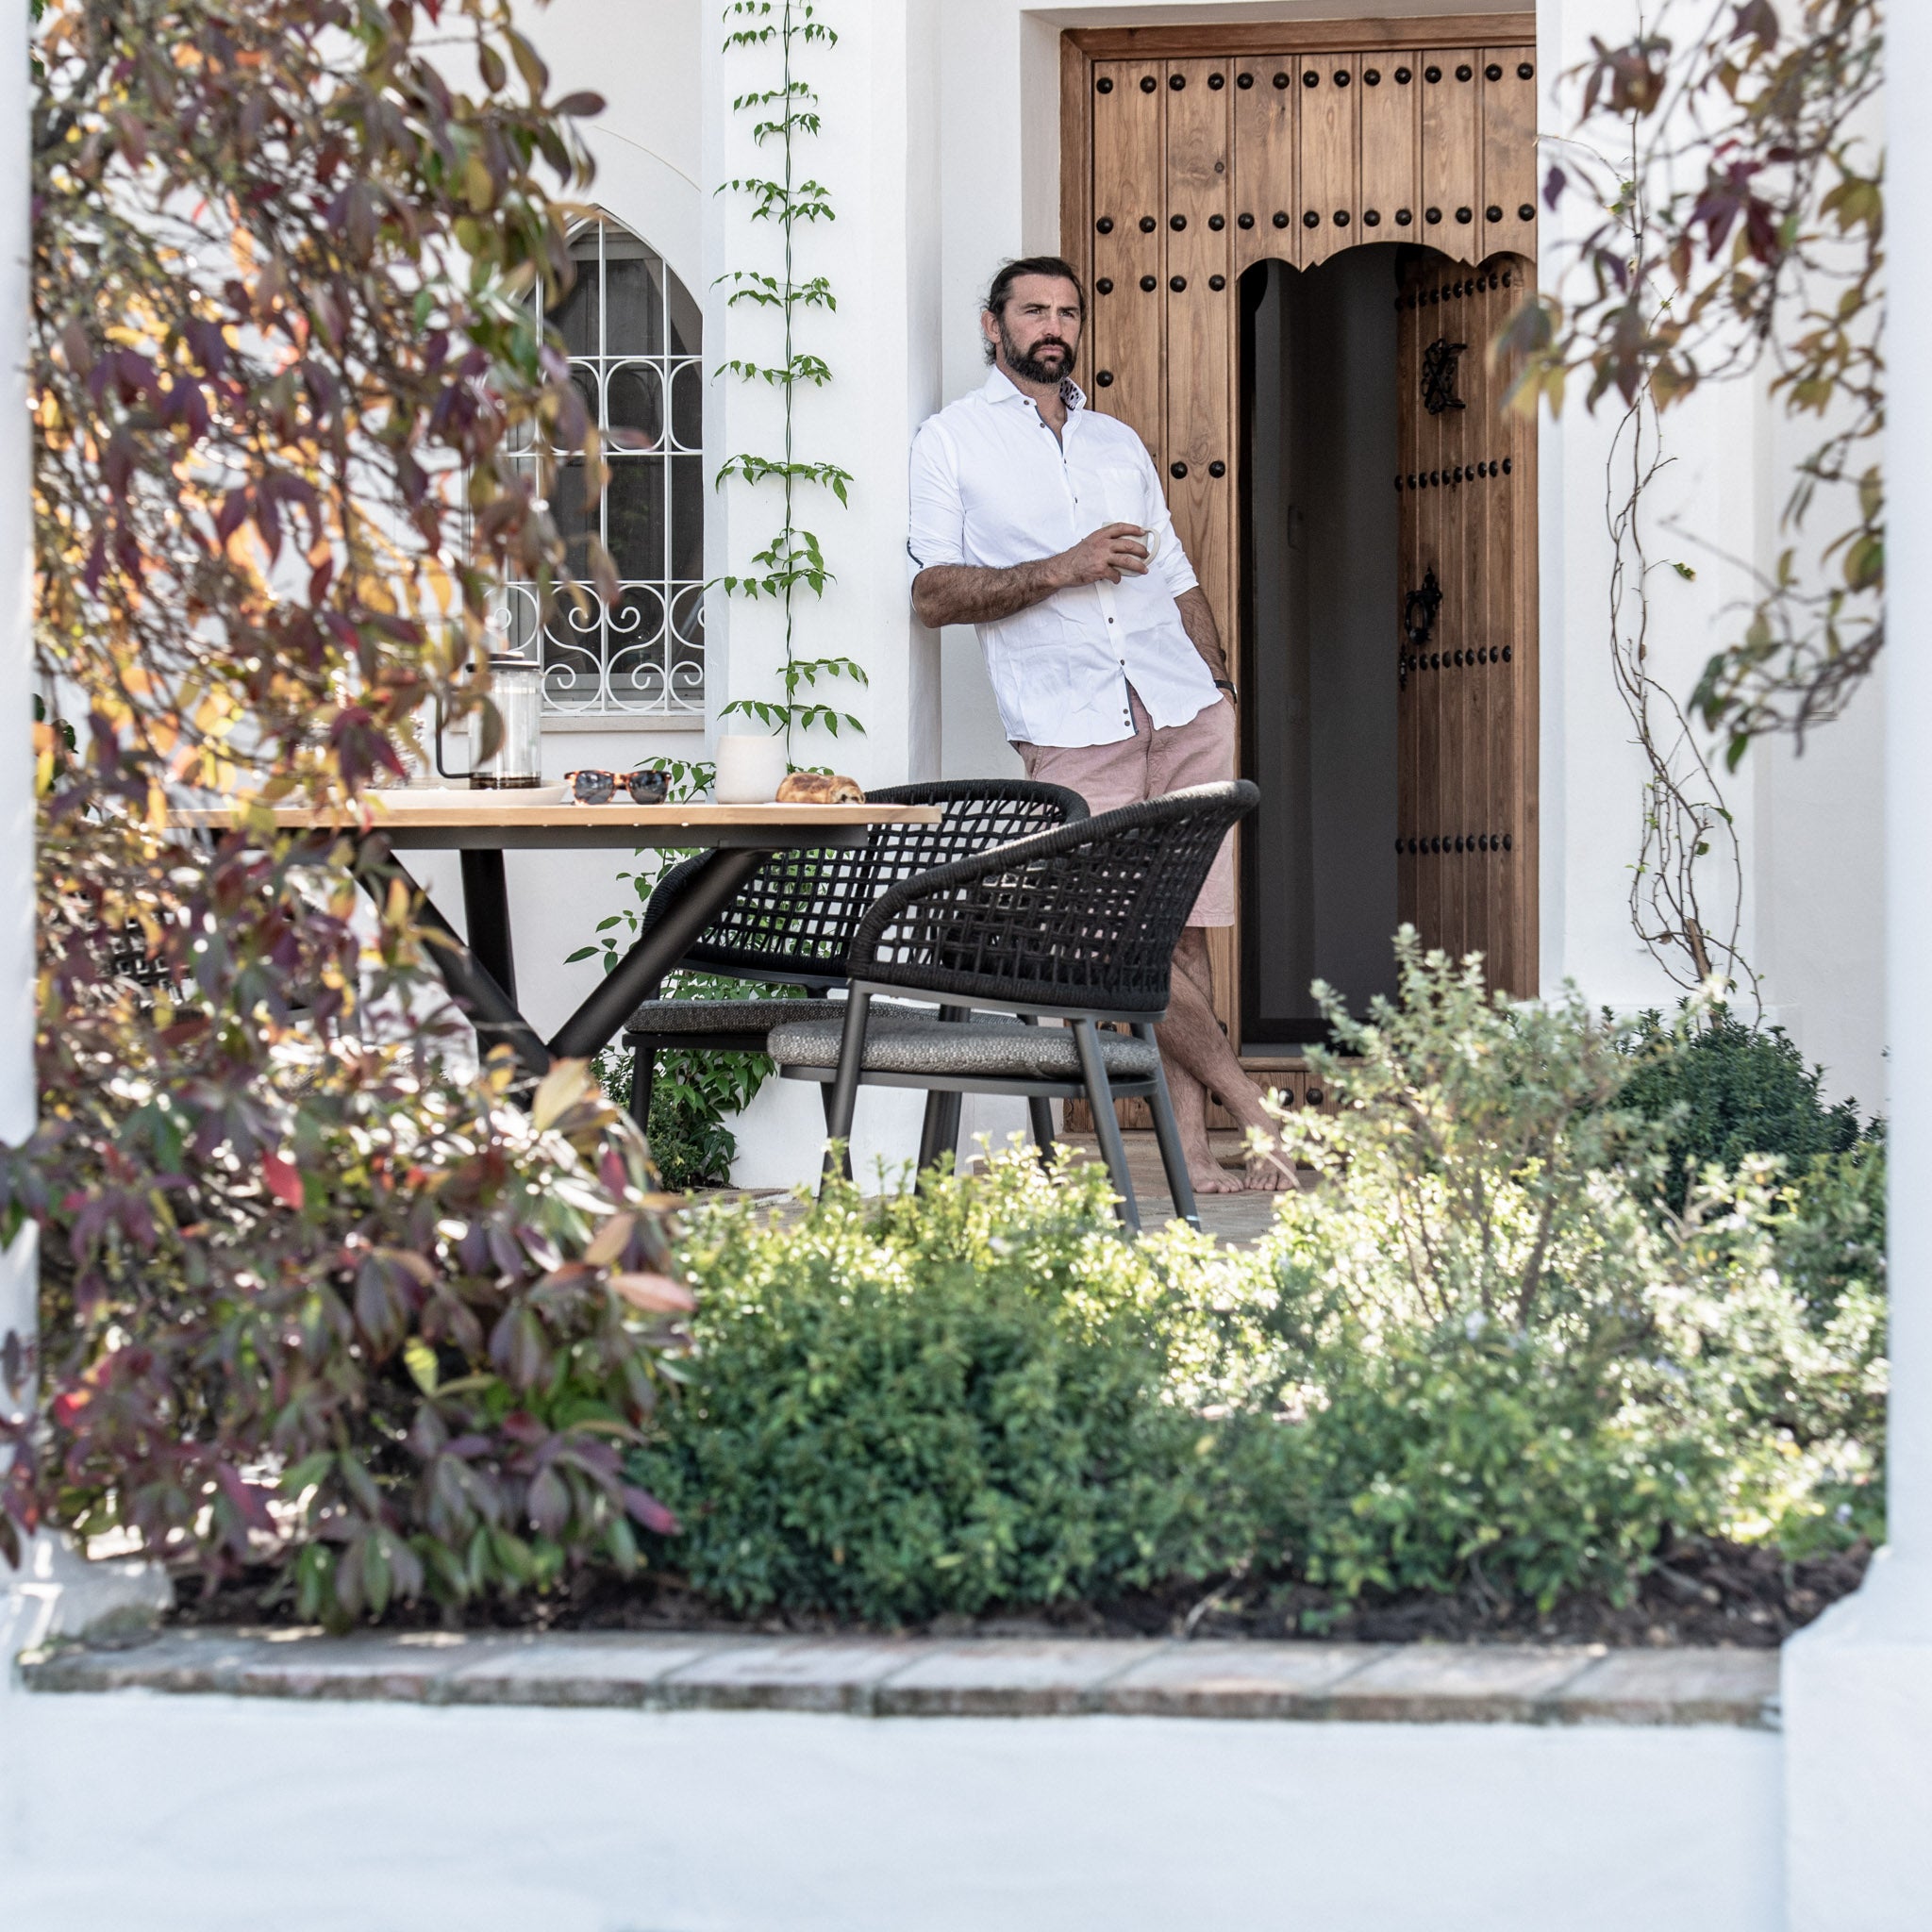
[(1001, 388)]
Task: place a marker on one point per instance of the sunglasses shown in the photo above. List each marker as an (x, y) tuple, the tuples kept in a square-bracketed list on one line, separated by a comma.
[(600, 788)]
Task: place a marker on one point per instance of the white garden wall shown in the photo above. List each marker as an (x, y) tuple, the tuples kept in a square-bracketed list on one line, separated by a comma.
[(197, 1814)]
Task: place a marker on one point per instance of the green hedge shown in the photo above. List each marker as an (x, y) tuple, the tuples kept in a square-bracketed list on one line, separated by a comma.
[(1720, 1091), (935, 1403), (1474, 1351)]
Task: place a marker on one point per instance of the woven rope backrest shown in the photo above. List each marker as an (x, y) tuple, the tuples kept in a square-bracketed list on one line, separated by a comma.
[(796, 914), (1087, 916)]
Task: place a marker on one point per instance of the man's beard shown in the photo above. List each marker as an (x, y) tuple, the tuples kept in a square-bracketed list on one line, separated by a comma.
[(1031, 366)]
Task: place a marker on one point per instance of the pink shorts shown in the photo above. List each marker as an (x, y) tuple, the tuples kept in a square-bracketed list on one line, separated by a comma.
[(1149, 763)]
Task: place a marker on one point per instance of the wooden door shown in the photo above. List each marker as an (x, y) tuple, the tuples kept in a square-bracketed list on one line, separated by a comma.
[(1192, 153), (1466, 625)]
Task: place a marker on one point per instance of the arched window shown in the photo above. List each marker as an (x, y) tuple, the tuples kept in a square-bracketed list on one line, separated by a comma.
[(633, 333)]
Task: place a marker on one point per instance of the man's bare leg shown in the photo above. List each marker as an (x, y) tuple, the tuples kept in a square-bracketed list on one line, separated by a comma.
[(1198, 1059)]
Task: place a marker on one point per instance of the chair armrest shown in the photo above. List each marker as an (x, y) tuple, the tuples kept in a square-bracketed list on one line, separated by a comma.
[(1086, 915)]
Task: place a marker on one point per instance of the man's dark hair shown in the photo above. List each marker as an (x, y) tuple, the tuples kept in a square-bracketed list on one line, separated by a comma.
[(995, 303)]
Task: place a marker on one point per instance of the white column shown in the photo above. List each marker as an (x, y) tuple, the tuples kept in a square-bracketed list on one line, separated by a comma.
[(877, 159), (17, 1109), (1858, 1685), (16, 673), (54, 1592), (16, 638), (877, 154)]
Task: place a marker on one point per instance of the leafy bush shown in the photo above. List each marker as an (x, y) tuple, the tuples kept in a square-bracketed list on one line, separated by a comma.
[(1432, 1455), (372, 1325), (1465, 1174), (1722, 1091), (1475, 1352), (1779, 1338), (1511, 1364), (306, 1297), (695, 1093), (1467, 1286), (901, 1407), (1831, 1242)]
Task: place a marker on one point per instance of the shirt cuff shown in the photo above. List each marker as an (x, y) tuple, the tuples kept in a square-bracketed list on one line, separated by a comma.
[(1175, 571), (929, 557)]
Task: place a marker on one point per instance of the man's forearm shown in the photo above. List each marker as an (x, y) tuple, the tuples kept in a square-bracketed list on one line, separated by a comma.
[(1197, 620), (966, 593)]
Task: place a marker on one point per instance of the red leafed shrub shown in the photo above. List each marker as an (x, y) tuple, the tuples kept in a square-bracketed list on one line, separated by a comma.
[(310, 1293)]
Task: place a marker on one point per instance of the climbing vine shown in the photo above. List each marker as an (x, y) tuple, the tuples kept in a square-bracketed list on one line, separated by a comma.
[(1740, 236), (1743, 237), (1687, 887), (789, 203)]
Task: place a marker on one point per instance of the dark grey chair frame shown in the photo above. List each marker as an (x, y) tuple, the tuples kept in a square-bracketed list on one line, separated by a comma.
[(1077, 925), (792, 921)]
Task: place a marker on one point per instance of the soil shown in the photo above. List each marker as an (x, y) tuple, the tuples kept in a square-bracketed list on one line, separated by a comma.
[(1701, 1593)]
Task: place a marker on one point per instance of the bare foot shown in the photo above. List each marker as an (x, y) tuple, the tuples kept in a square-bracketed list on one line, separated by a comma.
[(1210, 1178), (1268, 1174)]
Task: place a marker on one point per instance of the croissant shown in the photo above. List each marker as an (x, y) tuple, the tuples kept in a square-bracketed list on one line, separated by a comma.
[(814, 788)]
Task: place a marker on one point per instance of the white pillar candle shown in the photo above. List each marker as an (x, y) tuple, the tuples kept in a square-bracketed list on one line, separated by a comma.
[(749, 769)]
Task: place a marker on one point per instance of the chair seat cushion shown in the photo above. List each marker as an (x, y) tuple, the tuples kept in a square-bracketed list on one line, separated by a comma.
[(729, 1016), (985, 1048)]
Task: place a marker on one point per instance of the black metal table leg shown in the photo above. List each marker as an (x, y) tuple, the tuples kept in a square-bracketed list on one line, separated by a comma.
[(486, 915), (487, 1005), (637, 976), (476, 973)]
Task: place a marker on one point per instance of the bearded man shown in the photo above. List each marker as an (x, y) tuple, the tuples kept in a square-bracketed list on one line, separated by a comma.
[(1043, 524)]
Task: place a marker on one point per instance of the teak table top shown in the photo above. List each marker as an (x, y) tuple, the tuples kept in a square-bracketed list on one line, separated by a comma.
[(493, 819)]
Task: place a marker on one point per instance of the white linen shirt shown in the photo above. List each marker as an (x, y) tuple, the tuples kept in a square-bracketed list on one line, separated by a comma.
[(993, 487)]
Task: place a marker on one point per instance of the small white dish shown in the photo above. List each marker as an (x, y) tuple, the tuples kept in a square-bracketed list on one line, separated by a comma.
[(442, 797)]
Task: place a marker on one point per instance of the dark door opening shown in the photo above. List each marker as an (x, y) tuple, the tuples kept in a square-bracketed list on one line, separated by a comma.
[(1320, 556)]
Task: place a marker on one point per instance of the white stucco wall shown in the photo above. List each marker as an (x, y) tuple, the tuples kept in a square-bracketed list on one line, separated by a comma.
[(940, 147), (193, 1814), (1810, 824)]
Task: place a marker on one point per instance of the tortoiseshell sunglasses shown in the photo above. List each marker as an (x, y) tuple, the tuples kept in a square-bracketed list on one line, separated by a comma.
[(599, 787)]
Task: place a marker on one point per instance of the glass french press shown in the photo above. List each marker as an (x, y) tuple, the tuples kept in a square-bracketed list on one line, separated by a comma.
[(516, 688)]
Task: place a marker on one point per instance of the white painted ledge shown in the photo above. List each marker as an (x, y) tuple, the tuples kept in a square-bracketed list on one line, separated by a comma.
[(1857, 1773), (58, 1593), (930, 1677)]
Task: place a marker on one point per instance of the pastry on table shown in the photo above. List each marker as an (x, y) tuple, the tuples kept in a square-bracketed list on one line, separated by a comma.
[(815, 787)]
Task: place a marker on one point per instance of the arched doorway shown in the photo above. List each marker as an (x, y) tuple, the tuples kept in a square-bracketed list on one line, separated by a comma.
[(1293, 177)]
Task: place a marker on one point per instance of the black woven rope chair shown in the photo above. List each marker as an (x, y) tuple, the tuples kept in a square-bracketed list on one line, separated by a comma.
[(1077, 925), (791, 923)]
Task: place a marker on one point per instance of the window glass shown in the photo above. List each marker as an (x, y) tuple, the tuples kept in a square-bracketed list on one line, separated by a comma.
[(634, 339)]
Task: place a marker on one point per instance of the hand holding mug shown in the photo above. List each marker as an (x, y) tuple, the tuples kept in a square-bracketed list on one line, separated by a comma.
[(1113, 551)]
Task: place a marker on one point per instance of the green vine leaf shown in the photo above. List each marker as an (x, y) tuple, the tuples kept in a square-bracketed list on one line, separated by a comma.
[(757, 469), (800, 367), (768, 292)]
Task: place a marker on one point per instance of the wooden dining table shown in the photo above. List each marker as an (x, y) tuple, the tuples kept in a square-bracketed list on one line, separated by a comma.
[(478, 966)]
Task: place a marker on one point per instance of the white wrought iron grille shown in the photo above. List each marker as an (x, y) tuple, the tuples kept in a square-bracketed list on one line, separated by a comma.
[(633, 334)]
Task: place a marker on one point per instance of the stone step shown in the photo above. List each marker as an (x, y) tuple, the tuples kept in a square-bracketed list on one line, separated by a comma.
[(888, 1676)]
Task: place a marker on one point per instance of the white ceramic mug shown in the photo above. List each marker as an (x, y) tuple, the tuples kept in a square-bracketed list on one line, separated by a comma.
[(751, 767)]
